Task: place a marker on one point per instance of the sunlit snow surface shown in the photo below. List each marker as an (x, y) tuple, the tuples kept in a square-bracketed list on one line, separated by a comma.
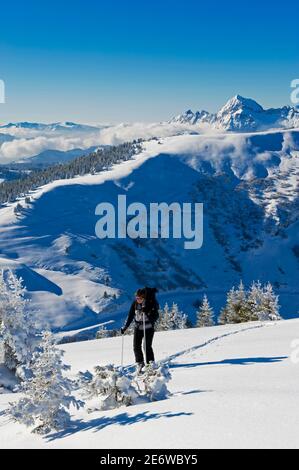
[(232, 386)]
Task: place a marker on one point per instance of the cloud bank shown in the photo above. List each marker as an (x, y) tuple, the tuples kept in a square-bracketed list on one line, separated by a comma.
[(25, 143)]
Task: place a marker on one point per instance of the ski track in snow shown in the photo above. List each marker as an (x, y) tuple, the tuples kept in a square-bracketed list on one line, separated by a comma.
[(208, 342), (169, 359)]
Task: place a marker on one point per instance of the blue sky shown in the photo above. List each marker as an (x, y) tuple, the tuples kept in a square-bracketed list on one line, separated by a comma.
[(131, 60)]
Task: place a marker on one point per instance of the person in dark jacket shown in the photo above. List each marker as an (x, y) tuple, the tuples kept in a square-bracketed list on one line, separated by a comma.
[(145, 312)]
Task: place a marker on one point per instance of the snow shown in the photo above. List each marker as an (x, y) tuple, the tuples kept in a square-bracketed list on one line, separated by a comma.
[(241, 114), (53, 246), (232, 386)]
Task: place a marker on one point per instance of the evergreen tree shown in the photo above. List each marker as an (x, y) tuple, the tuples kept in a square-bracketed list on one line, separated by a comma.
[(47, 393), (154, 380), (269, 305), (102, 332), (259, 304), (236, 309), (171, 319), (178, 318), (109, 386), (17, 331), (205, 314), (164, 321), (224, 314), (254, 300)]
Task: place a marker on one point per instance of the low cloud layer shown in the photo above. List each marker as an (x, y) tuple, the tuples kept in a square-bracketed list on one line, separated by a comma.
[(28, 143), (24, 143)]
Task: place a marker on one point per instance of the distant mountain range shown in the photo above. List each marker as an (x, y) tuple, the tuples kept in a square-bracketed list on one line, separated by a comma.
[(242, 114), (56, 126), (51, 157), (238, 114), (35, 145)]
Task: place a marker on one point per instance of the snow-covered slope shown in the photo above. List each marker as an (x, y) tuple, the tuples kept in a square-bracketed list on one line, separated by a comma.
[(9, 174), (249, 186), (243, 115), (232, 386), (52, 157)]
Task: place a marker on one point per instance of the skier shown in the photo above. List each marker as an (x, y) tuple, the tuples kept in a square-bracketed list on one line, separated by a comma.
[(145, 312)]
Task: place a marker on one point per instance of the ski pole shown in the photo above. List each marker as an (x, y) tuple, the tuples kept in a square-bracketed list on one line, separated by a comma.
[(144, 340), (122, 351)]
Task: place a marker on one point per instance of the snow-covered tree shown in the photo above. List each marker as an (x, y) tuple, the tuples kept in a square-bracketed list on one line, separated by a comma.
[(254, 300), (171, 318), (102, 332), (259, 303), (154, 381), (179, 319), (109, 387), (164, 321), (236, 309), (47, 393), (17, 331), (205, 314), (269, 309)]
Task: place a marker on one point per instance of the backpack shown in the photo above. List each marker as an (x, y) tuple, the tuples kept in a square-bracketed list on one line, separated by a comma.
[(152, 305)]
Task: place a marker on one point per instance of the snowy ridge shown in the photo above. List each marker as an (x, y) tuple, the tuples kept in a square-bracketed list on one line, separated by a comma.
[(239, 177)]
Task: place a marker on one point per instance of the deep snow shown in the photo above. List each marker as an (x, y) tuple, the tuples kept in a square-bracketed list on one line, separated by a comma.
[(233, 386)]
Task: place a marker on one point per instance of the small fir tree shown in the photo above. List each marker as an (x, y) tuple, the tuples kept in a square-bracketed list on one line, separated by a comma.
[(171, 318), (179, 319), (164, 322), (236, 309), (154, 381), (109, 386), (18, 333), (102, 332), (205, 314), (269, 305), (47, 393)]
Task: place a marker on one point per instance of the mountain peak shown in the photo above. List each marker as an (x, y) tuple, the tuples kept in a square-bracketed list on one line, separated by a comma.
[(239, 102), (242, 114), (189, 117)]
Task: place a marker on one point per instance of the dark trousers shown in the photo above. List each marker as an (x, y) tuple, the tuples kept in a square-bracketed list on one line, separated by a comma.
[(137, 345)]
